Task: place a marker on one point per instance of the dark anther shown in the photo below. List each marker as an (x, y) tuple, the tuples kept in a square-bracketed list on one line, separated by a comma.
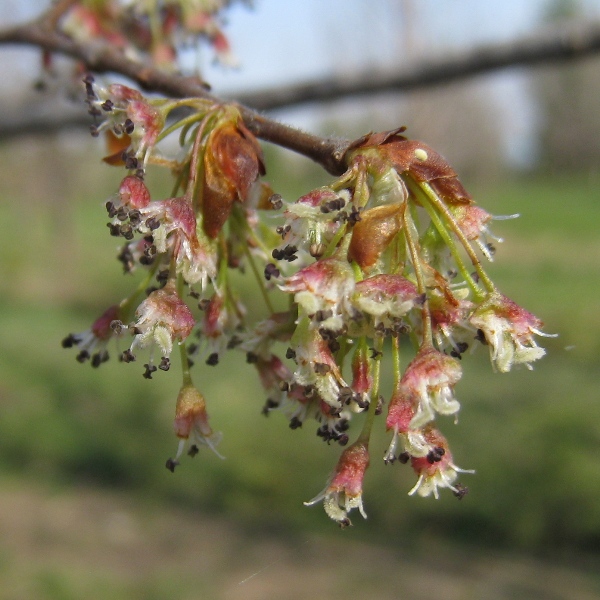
[(152, 223), (270, 405), (192, 349), (147, 374), (403, 457), (323, 315), (234, 342), (309, 391), (82, 356), (163, 276), (284, 386), (343, 425), (165, 364), (491, 249), (107, 106), (146, 260), (291, 354), (475, 276), (128, 126), (213, 359), (277, 254), (193, 293), (94, 131), (127, 232), (115, 230), (345, 395), (334, 345), (346, 522), (127, 356), (251, 358), (295, 423), (452, 274), (462, 347), (375, 354), (276, 201), (325, 208), (354, 216), (135, 218), (321, 368), (421, 299), (99, 358), (131, 162), (343, 439), (171, 464), (193, 450), (204, 304), (480, 337), (110, 209), (69, 341), (271, 271), (460, 490)]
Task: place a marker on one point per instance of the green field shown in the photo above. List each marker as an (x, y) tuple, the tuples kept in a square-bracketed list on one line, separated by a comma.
[(92, 443)]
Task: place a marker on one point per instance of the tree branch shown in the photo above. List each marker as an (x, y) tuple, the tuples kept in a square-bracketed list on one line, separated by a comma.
[(102, 58), (555, 44), (551, 45)]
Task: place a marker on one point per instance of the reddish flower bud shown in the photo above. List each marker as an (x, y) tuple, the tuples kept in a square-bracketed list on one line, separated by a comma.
[(343, 493), (133, 192), (191, 423), (232, 163)]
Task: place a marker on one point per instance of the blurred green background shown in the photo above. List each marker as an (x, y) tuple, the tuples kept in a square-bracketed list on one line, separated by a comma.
[(87, 508), (90, 445)]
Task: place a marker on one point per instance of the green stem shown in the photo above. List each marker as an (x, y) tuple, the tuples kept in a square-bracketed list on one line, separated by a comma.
[(437, 203), (365, 434), (416, 262), (259, 279)]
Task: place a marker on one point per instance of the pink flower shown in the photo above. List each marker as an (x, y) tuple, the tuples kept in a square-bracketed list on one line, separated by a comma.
[(191, 425), (92, 343), (343, 493), (322, 290), (385, 297), (430, 379), (162, 318), (508, 329), (436, 470)]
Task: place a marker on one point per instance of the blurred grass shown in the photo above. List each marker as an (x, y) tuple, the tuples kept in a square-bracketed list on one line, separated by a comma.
[(533, 437)]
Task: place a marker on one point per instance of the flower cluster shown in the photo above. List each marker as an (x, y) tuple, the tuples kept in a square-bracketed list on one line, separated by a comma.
[(385, 258), (155, 29)]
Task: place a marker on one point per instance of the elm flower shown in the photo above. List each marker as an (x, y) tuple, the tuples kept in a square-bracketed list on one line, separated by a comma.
[(322, 290), (191, 425), (401, 411), (385, 298), (317, 369), (92, 343), (172, 224), (436, 470), (508, 329), (312, 221), (162, 318), (473, 222), (343, 493), (430, 377)]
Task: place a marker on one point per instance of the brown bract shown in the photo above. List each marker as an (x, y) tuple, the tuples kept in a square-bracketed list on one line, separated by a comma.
[(418, 160), (232, 163), (373, 233)]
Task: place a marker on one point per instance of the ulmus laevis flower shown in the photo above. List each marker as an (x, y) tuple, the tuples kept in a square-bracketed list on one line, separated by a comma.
[(383, 262), (343, 493)]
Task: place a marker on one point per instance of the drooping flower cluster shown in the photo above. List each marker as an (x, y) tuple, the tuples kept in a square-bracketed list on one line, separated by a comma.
[(384, 258)]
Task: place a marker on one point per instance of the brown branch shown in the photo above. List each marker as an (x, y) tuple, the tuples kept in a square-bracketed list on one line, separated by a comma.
[(102, 58), (555, 44), (552, 45)]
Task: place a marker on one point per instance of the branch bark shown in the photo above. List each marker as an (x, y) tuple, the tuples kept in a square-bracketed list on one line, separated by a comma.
[(102, 58), (554, 44)]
